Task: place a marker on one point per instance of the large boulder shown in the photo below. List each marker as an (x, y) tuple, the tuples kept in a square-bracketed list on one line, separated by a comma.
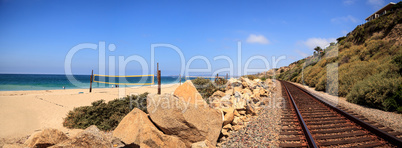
[(188, 93), (46, 138), (137, 130), (91, 137), (190, 121)]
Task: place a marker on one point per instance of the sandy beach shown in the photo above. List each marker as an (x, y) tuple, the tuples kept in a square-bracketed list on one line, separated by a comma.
[(24, 112)]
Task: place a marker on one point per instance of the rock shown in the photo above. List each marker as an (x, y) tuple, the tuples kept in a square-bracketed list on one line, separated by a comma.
[(229, 115), (254, 98), (247, 91), (188, 93), (250, 110), (237, 127), (225, 132), (215, 104), (245, 85), (218, 94), (137, 130), (239, 103), (15, 145), (236, 113), (202, 144), (234, 82), (242, 112), (90, 137), (116, 142), (238, 89), (246, 97), (46, 138), (229, 92), (227, 126), (236, 121), (263, 92), (257, 80), (256, 92), (225, 101), (189, 122), (244, 119)]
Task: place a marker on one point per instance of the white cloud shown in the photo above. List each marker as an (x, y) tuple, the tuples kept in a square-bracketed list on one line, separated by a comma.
[(322, 42), (259, 39), (348, 2), (345, 19), (377, 4)]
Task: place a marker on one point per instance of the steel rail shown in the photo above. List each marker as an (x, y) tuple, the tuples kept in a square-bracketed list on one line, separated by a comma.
[(307, 133), (386, 136)]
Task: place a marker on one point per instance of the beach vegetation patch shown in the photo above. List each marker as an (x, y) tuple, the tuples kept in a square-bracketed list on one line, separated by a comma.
[(106, 116)]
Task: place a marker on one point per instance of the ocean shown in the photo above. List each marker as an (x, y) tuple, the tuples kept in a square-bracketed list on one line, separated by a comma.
[(10, 82)]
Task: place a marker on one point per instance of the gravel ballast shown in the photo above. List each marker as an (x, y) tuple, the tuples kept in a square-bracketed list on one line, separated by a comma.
[(263, 129)]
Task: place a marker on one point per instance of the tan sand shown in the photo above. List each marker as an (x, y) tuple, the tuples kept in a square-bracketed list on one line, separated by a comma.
[(24, 112)]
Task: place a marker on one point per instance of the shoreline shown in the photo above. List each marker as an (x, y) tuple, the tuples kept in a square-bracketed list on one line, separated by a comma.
[(135, 86), (25, 111)]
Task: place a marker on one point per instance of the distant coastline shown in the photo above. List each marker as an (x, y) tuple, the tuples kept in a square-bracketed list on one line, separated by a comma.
[(21, 82)]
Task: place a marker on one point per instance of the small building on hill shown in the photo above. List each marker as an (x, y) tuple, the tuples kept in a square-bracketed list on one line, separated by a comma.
[(380, 12)]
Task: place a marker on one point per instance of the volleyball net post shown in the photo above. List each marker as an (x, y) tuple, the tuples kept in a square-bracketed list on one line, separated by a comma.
[(90, 83), (159, 79)]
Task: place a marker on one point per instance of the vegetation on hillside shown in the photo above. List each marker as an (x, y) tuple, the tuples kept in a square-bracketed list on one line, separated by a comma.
[(206, 87), (368, 63), (106, 116)]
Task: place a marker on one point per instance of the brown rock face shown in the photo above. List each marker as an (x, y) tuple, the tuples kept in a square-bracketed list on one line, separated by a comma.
[(137, 130), (189, 93), (191, 122), (46, 138), (90, 137)]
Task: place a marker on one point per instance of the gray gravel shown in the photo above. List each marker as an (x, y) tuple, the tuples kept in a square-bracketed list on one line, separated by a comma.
[(262, 130), (388, 119)]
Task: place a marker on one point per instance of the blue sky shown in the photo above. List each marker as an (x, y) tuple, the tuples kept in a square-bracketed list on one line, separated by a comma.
[(36, 35)]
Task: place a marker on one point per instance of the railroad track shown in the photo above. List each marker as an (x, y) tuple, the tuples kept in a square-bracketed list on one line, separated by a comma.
[(309, 122)]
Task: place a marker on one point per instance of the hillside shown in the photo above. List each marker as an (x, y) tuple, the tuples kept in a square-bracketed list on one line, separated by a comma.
[(368, 61)]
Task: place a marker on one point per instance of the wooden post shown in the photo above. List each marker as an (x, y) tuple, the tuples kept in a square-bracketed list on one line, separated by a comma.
[(90, 82), (159, 79), (226, 76)]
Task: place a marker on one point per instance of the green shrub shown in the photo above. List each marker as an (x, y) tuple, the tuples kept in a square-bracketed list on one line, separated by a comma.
[(399, 110), (206, 87), (377, 91), (106, 116), (398, 62), (251, 77), (351, 73)]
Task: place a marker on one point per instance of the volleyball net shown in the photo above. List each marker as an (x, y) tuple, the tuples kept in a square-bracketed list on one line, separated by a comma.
[(124, 80)]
